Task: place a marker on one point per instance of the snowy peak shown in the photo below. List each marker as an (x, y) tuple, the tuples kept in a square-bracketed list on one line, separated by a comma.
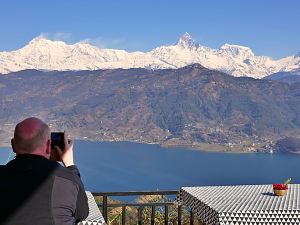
[(237, 50), (37, 40), (41, 46), (186, 41), (41, 41)]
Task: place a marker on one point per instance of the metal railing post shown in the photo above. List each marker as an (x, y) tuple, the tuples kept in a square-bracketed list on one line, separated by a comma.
[(123, 215), (140, 219), (179, 214), (104, 208), (191, 218), (152, 215), (166, 215)]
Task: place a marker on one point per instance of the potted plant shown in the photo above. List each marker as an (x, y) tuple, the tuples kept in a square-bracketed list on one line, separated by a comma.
[(281, 189)]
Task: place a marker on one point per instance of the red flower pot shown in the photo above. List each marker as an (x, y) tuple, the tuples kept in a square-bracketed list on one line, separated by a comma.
[(280, 192), (280, 189)]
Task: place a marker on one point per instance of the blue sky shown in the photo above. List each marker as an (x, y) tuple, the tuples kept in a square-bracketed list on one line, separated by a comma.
[(269, 27)]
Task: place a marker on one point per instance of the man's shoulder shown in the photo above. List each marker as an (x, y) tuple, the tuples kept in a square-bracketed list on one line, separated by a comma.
[(70, 173), (2, 168)]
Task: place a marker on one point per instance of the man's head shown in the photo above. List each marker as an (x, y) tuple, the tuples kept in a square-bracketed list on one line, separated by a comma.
[(32, 136)]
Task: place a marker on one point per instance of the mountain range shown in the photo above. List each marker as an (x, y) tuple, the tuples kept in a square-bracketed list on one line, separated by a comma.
[(191, 106), (288, 77), (44, 54)]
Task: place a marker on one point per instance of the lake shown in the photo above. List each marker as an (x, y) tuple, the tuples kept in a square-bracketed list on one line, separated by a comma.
[(125, 166)]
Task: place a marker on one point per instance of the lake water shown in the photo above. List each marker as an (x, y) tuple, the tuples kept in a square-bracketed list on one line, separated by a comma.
[(124, 166)]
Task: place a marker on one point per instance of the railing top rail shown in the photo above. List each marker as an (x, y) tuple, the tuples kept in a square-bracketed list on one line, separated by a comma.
[(149, 204), (128, 193)]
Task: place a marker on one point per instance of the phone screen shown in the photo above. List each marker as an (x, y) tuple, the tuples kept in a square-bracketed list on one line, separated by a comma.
[(57, 139)]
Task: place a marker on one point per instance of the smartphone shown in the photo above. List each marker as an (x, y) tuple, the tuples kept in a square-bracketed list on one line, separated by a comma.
[(57, 139)]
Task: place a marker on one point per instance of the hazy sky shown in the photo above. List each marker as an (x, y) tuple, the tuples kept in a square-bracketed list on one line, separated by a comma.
[(269, 27)]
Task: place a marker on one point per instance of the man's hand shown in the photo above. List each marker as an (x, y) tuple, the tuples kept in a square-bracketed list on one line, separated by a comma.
[(66, 155)]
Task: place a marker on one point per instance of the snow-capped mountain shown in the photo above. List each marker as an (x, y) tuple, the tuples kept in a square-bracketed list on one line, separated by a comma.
[(45, 54)]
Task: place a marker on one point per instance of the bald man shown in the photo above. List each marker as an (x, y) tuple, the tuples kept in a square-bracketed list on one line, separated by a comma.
[(35, 190)]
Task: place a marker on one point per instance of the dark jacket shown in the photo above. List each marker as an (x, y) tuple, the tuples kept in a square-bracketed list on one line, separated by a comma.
[(35, 190)]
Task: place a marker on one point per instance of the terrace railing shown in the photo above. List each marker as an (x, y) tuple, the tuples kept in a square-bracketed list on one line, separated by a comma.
[(140, 206)]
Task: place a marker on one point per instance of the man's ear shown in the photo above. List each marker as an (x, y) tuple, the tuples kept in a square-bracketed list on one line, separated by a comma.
[(12, 142), (48, 148)]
